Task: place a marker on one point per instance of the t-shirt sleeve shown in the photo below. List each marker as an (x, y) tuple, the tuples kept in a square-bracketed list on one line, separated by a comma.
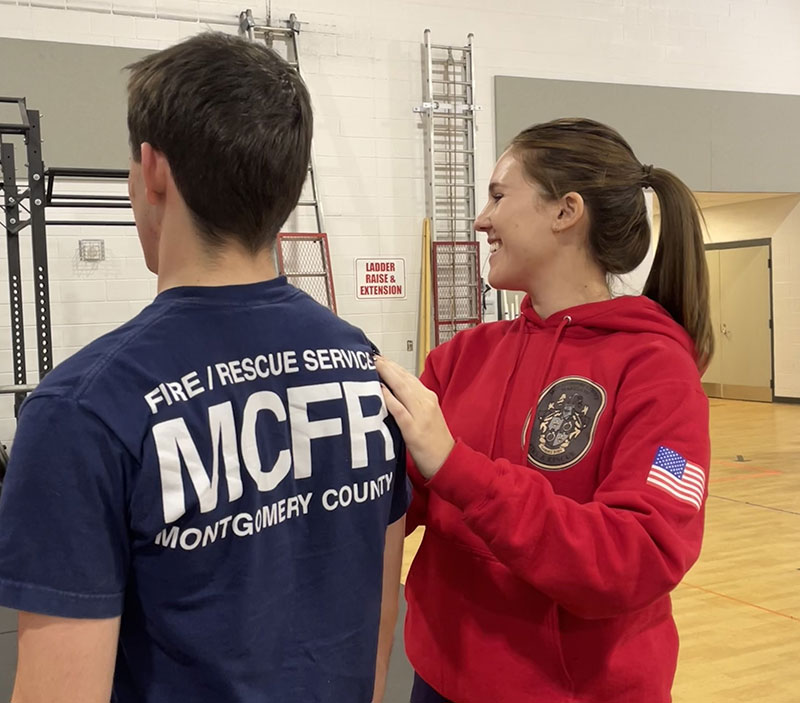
[(64, 545), (401, 488)]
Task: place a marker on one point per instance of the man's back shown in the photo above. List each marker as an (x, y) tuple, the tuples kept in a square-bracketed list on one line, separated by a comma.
[(218, 471)]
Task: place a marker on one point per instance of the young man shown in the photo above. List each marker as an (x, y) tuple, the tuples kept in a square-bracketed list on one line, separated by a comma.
[(203, 505)]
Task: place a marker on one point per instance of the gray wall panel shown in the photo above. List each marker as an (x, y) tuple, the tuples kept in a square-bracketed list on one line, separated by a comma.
[(714, 140), (79, 90), (755, 142)]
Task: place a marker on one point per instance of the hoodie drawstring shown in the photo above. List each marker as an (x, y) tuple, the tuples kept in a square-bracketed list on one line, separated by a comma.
[(521, 350), (530, 420)]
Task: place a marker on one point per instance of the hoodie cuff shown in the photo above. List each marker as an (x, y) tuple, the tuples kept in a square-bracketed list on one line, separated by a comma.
[(465, 478)]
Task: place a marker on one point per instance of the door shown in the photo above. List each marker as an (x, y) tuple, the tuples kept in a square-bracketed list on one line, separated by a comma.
[(741, 314), (712, 379)]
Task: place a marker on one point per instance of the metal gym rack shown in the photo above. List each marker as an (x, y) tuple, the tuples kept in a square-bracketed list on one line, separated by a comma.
[(26, 208), (448, 111), (14, 204), (304, 258)]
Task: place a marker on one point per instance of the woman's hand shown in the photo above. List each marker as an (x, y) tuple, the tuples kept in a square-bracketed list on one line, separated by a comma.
[(416, 410)]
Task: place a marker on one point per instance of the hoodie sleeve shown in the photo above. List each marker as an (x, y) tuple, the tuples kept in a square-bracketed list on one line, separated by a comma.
[(631, 544), (418, 510)]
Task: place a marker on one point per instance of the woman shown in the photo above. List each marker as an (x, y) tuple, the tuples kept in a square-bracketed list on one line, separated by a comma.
[(570, 502)]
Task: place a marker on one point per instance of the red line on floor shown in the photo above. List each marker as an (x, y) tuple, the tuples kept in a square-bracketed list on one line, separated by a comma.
[(728, 479), (743, 602)]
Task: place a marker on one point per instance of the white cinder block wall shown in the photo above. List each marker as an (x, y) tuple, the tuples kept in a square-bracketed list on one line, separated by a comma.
[(362, 61)]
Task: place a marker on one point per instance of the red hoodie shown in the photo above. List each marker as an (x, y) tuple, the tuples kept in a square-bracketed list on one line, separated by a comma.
[(552, 541)]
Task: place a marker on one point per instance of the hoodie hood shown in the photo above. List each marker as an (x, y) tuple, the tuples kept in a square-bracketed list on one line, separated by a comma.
[(624, 314)]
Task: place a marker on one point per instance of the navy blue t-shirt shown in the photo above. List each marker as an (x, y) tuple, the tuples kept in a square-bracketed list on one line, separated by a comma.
[(220, 472)]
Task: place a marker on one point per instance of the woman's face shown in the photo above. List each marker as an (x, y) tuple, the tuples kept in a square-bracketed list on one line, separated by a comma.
[(519, 224)]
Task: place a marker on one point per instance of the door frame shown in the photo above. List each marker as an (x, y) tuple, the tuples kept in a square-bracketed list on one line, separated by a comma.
[(743, 244)]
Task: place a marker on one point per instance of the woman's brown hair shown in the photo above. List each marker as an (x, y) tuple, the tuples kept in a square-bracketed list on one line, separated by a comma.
[(594, 160)]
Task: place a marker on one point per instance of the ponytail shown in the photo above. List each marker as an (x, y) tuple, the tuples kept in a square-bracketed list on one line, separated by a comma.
[(678, 280)]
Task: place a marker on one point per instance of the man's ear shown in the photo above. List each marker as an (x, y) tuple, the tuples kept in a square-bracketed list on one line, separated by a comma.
[(570, 211), (155, 173)]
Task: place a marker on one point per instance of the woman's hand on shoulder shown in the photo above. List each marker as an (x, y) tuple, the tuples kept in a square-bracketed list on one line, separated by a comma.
[(418, 415)]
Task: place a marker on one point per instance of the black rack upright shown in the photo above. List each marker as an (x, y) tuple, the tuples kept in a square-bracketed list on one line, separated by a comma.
[(34, 216)]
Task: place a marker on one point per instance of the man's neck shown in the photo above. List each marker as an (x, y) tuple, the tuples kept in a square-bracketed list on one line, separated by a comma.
[(186, 260), (229, 273)]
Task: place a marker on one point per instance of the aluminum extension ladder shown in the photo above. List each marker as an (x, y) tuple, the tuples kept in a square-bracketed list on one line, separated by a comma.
[(304, 258), (448, 113)]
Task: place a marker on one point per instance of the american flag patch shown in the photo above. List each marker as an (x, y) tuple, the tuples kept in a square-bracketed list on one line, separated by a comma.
[(673, 474)]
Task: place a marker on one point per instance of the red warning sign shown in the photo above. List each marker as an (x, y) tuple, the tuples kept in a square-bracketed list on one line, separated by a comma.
[(380, 278)]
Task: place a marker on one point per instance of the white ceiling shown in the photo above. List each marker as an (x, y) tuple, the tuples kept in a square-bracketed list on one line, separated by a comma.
[(709, 200)]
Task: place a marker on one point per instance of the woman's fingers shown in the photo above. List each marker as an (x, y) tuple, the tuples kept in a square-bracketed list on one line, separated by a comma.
[(396, 408), (401, 382), (416, 410)]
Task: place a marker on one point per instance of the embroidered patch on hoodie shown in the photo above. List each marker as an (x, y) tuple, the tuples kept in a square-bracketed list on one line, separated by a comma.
[(565, 422)]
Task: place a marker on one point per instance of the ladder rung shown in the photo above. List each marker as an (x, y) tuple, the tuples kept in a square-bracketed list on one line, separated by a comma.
[(455, 48), (307, 203), (273, 30), (441, 63), (305, 274), (454, 185), (449, 116), (453, 219), (453, 151), (449, 82)]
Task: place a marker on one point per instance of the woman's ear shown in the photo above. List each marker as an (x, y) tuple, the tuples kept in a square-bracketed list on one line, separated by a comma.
[(570, 210)]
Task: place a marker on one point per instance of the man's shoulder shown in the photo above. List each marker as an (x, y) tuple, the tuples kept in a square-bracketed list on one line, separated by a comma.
[(326, 326), (94, 362)]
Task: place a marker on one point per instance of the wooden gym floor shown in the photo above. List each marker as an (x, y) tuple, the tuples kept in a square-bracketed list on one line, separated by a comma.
[(738, 609)]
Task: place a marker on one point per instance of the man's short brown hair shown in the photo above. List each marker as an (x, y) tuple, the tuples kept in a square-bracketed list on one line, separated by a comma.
[(234, 121)]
